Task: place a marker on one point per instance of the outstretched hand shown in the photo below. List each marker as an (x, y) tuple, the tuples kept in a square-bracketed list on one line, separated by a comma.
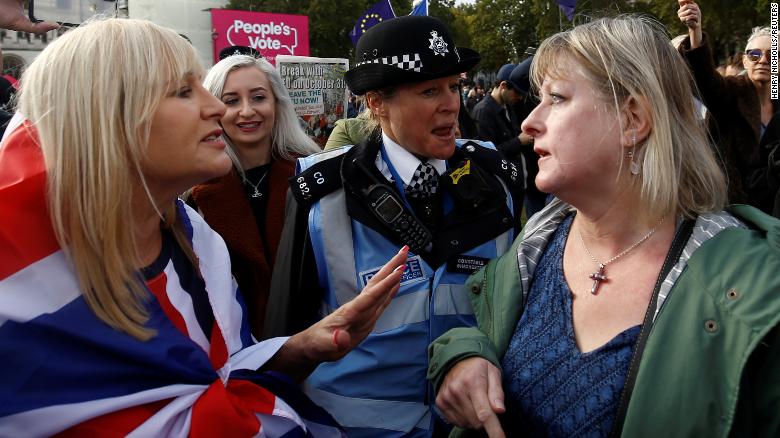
[(341, 331), (338, 333), (12, 17), (471, 395)]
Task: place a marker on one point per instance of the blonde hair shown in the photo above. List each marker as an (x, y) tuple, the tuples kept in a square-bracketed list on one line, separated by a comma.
[(630, 57), (91, 95), (373, 127), (288, 139)]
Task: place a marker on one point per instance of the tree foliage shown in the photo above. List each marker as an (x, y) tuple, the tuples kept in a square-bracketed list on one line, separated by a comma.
[(501, 30)]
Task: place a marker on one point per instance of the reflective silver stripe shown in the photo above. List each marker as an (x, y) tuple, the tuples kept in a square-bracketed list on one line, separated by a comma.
[(337, 233), (337, 243), (306, 162), (368, 413), (452, 299), (404, 309)]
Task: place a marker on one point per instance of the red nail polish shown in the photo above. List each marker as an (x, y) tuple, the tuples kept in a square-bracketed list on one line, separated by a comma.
[(335, 339)]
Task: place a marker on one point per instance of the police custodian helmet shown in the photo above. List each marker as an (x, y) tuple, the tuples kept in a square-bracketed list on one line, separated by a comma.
[(406, 49)]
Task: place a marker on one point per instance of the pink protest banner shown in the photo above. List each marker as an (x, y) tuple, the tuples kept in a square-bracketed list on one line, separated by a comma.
[(270, 34)]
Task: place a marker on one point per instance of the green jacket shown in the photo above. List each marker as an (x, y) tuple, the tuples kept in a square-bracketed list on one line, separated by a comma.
[(348, 132), (711, 365)]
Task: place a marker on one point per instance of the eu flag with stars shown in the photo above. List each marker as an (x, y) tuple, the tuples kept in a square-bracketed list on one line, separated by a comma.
[(378, 13)]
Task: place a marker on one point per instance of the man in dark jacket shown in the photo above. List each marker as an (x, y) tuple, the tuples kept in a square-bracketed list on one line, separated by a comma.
[(496, 122)]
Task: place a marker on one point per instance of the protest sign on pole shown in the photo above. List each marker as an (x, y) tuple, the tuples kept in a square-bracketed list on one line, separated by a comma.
[(317, 89), (269, 34)]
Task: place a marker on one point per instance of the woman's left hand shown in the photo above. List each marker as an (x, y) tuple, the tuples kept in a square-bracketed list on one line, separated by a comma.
[(338, 333), (334, 336)]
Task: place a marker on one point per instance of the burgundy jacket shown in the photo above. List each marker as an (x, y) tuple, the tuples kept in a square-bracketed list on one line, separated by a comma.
[(225, 206)]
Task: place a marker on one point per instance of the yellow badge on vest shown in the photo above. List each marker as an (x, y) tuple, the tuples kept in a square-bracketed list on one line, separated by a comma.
[(458, 173)]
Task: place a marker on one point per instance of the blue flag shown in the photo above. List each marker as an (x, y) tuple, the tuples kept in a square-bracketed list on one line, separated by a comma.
[(567, 6), (421, 8), (378, 13)]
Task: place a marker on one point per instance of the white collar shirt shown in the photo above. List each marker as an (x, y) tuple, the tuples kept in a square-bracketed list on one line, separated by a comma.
[(404, 162)]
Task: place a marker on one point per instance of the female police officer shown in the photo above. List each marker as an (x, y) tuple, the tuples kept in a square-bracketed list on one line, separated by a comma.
[(409, 183)]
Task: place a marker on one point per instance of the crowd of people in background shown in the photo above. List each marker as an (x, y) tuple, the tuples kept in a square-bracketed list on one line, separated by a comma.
[(586, 246)]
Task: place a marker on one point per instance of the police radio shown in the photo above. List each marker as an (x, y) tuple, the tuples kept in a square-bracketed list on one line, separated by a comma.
[(385, 205)]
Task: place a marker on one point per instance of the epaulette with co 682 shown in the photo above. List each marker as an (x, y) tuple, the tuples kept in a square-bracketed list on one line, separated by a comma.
[(319, 179), (494, 162)]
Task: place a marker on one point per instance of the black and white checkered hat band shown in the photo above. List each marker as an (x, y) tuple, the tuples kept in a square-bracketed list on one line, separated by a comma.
[(404, 62)]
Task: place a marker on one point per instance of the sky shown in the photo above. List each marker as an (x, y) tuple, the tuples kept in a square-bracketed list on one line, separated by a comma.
[(461, 2)]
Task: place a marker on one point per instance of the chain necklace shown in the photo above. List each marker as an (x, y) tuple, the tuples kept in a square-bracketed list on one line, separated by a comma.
[(598, 277), (256, 187)]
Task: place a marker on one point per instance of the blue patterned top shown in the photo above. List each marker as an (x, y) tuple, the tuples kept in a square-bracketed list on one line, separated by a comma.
[(551, 388)]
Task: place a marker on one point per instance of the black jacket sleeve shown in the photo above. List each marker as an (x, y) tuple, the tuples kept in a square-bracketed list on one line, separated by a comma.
[(511, 148), (713, 87), (295, 296), (490, 128)]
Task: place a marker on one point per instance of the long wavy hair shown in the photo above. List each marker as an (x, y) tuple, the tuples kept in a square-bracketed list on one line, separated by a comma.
[(289, 140), (91, 95)]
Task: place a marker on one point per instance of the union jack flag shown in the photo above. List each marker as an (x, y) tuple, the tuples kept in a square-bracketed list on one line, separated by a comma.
[(66, 372)]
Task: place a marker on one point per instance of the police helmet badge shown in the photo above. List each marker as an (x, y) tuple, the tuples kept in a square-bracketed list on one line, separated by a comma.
[(438, 45)]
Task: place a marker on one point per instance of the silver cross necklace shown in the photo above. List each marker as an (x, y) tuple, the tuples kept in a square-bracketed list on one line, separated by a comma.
[(598, 277)]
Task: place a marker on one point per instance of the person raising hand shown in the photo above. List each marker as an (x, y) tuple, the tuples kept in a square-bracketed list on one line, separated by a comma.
[(12, 17)]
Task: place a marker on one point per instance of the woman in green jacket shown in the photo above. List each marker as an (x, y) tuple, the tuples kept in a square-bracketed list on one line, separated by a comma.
[(634, 304)]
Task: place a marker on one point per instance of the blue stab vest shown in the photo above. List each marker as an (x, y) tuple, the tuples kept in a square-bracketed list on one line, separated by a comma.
[(380, 388)]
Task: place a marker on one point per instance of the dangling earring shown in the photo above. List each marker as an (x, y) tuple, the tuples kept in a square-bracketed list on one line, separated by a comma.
[(634, 166)]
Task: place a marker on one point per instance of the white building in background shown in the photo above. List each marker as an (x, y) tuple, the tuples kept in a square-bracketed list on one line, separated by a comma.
[(187, 17)]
